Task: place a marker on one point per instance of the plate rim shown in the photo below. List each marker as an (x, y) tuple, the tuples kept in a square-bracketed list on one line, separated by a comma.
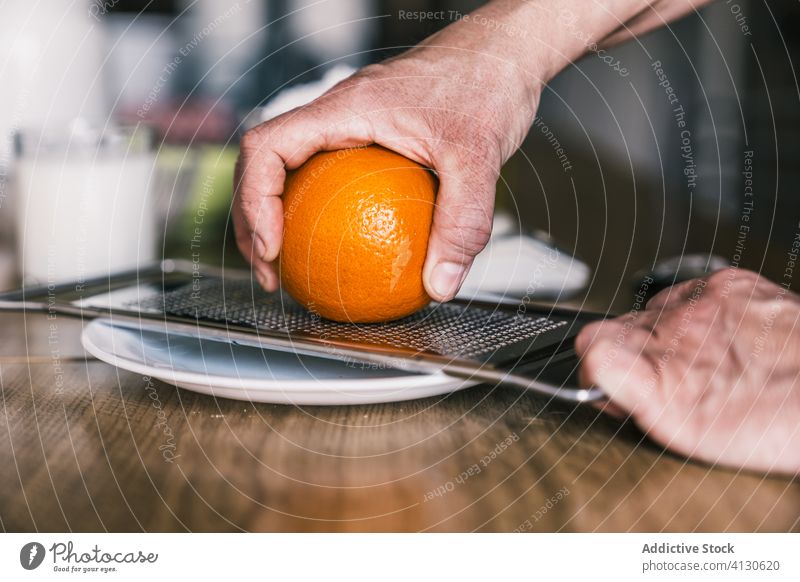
[(353, 386)]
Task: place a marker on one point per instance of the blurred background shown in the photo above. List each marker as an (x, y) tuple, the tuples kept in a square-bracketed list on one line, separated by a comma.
[(631, 187)]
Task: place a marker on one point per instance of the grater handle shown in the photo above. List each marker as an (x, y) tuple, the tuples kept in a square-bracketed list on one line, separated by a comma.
[(565, 392), (506, 378)]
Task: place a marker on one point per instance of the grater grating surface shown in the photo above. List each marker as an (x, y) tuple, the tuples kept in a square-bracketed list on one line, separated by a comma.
[(450, 330)]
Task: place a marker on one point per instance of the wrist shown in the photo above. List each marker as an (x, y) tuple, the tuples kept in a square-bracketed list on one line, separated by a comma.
[(541, 37), (494, 40), (487, 48)]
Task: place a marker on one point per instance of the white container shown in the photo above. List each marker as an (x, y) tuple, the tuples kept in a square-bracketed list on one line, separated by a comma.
[(51, 56), (83, 203)]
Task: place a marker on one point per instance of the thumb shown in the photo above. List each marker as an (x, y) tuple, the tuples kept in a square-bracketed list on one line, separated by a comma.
[(462, 223)]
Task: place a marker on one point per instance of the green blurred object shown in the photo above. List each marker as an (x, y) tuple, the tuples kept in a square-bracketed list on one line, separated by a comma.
[(212, 192), (196, 192)]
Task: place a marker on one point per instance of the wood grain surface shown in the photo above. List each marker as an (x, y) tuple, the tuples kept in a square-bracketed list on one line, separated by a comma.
[(86, 447)]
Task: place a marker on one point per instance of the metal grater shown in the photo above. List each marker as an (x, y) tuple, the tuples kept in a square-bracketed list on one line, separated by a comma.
[(494, 343), (443, 329)]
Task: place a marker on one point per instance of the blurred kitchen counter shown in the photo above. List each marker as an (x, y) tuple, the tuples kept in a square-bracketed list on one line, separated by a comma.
[(87, 447)]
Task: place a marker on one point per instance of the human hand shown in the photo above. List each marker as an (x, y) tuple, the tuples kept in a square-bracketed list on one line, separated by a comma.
[(461, 102), (710, 368), (461, 113)]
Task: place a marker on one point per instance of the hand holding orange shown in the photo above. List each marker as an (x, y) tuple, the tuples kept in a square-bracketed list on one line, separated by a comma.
[(355, 234)]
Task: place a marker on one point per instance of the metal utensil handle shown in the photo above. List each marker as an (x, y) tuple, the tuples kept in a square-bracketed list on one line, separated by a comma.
[(506, 378), (572, 393)]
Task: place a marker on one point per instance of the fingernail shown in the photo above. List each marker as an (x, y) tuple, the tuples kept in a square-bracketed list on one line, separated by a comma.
[(447, 278), (261, 246)]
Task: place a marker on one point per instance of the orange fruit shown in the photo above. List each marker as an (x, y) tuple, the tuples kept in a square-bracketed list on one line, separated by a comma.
[(355, 234)]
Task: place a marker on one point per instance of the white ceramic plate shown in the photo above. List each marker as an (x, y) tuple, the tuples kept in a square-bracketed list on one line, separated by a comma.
[(249, 373)]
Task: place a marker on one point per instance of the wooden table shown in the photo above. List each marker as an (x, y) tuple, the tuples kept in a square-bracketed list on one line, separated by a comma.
[(86, 447)]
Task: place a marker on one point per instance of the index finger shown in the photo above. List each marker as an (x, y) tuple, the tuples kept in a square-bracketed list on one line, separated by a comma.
[(266, 152)]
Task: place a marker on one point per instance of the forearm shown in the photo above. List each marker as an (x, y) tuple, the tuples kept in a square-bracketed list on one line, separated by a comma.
[(540, 38), (653, 15)]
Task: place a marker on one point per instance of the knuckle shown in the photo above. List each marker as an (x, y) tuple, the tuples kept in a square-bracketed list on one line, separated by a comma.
[(732, 278), (250, 204), (701, 317), (749, 276), (721, 280), (253, 139), (661, 297), (362, 77), (372, 70), (468, 231), (256, 215), (713, 290), (357, 93)]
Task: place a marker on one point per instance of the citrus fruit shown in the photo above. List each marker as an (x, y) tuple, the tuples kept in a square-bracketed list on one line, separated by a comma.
[(355, 234)]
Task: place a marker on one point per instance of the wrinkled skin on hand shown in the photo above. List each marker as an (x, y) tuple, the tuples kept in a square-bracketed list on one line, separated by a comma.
[(417, 106), (710, 368)]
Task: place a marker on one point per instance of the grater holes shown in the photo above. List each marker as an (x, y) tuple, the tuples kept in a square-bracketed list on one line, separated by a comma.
[(445, 329)]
